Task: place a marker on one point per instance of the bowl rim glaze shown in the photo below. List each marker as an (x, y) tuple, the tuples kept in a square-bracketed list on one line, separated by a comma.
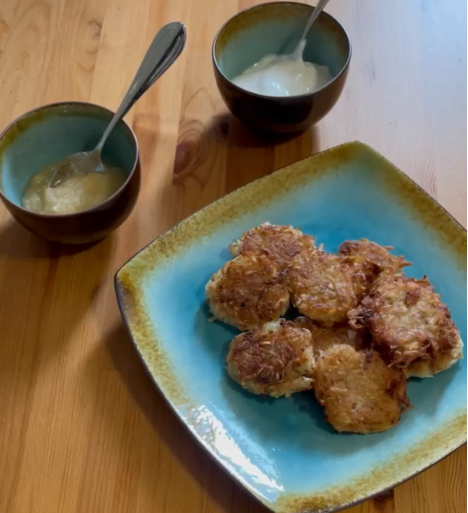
[(282, 98), (97, 207)]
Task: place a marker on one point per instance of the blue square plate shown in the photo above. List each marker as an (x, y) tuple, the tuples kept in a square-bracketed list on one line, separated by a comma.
[(282, 450)]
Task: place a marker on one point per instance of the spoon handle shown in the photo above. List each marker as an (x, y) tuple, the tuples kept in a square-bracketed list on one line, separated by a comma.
[(163, 51), (315, 14)]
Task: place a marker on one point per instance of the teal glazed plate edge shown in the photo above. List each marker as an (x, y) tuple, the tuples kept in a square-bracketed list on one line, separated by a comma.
[(283, 451)]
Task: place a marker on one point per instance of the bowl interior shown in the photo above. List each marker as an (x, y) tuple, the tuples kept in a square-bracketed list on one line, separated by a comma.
[(49, 134), (276, 28)]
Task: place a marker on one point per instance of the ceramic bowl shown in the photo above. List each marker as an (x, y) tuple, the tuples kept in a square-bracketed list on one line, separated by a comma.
[(50, 133), (275, 28), (283, 450)]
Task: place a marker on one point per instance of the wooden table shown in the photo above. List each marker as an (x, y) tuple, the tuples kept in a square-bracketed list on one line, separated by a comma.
[(82, 428)]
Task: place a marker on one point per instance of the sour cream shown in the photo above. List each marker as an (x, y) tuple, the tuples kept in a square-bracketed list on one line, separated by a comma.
[(289, 75)]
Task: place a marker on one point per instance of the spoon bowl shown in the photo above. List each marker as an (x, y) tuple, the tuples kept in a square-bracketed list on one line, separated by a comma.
[(77, 163)]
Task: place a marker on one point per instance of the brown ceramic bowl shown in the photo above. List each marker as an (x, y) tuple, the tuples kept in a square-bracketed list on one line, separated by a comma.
[(48, 134), (275, 28)]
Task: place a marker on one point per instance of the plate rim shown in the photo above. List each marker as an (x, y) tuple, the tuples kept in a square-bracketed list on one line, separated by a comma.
[(122, 305)]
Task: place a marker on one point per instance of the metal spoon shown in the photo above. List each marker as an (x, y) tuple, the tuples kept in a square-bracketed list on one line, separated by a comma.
[(299, 50), (162, 53)]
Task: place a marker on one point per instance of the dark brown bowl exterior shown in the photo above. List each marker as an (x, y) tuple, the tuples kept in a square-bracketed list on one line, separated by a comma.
[(82, 227), (281, 114)]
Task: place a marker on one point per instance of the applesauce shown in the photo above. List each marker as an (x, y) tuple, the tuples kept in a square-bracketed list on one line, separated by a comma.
[(79, 192)]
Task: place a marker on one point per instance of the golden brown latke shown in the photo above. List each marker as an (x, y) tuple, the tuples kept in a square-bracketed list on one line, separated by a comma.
[(408, 322), (279, 242), (325, 337), (376, 259), (437, 362), (248, 292), (359, 392), (375, 254), (363, 274), (277, 359), (322, 286)]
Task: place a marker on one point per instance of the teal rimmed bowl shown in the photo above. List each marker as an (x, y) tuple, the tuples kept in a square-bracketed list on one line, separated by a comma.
[(275, 28), (48, 134)]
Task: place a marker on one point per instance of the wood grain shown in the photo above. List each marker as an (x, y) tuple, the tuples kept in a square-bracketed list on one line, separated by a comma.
[(82, 428)]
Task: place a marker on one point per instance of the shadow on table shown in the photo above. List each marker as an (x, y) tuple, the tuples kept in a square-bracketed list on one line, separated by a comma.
[(18, 243), (49, 288), (223, 489), (244, 154)]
